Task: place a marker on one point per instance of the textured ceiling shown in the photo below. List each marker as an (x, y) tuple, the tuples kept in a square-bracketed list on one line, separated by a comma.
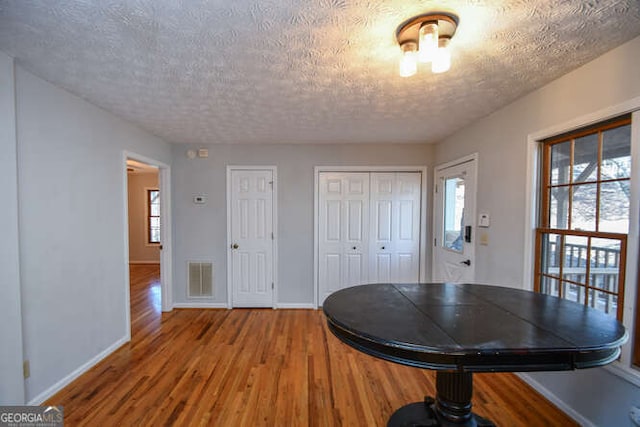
[(300, 71)]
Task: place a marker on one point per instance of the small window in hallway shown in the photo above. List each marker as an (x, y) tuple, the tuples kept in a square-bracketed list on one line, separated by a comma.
[(153, 216)]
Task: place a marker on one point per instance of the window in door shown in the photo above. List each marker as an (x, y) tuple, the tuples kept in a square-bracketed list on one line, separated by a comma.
[(584, 216), (453, 213), (153, 216)]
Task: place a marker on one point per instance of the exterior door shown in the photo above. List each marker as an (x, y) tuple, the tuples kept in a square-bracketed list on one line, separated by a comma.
[(251, 244), (342, 231), (454, 219), (395, 227)]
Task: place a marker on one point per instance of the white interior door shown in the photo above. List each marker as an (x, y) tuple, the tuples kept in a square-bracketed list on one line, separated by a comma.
[(342, 231), (395, 227), (454, 223), (251, 238)]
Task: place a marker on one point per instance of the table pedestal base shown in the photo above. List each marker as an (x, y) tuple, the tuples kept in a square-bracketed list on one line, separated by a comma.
[(450, 408)]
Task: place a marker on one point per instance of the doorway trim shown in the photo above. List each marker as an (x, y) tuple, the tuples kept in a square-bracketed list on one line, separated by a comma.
[(316, 204), (274, 204), (465, 159), (166, 275)]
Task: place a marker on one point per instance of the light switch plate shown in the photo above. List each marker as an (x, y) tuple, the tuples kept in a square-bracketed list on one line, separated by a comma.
[(484, 238)]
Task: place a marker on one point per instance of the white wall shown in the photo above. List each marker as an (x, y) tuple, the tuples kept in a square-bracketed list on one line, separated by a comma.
[(140, 251), (501, 141), (200, 231), (72, 192), (12, 384)]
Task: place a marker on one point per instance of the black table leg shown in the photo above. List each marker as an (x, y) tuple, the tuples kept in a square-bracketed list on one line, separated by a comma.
[(451, 407)]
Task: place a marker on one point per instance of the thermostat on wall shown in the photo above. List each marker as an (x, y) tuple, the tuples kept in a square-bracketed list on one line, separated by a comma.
[(200, 199), (484, 220)]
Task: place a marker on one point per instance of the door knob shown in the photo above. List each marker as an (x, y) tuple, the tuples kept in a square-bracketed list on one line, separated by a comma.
[(466, 262), (235, 246), (382, 247), (354, 248)]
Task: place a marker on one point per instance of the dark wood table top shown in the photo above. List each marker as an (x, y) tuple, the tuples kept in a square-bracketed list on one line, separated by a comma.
[(472, 328)]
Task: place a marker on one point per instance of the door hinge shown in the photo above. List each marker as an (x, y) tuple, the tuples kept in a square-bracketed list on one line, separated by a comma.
[(272, 286), (436, 189), (272, 237), (435, 243)]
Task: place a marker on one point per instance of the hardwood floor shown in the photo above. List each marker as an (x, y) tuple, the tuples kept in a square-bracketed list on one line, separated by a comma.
[(264, 367)]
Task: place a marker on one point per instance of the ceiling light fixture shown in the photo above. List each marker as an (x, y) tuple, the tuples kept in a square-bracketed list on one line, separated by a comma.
[(425, 38)]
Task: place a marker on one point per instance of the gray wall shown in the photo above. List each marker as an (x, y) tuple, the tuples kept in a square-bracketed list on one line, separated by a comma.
[(139, 248), (12, 384), (72, 191), (200, 232), (501, 141)]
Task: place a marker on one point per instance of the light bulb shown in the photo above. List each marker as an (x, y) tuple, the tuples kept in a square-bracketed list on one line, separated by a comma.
[(409, 60), (428, 41), (442, 60)]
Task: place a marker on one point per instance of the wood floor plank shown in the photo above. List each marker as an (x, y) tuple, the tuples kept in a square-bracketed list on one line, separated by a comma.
[(261, 367)]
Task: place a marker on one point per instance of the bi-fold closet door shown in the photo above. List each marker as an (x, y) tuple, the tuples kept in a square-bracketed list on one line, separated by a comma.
[(369, 229)]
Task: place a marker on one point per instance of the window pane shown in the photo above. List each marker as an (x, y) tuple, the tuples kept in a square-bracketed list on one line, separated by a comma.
[(155, 235), (559, 208), (573, 292), (154, 222), (614, 207), (560, 162), (616, 153), (575, 259), (583, 207), (154, 202), (453, 213), (585, 158), (550, 286), (605, 263), (604, 302), (551, 244)]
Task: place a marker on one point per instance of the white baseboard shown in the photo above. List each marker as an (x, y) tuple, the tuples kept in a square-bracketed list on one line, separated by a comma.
[(145, 262), (556, 401), (302, 305), (76, 373), (200, 305)]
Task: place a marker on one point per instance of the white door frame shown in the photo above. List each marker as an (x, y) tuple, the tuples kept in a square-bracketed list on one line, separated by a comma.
[(469, 158), (166, 275), (274, 171), (316, 203)]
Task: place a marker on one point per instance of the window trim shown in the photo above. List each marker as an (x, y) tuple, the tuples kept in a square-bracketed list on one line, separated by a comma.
[(623, 367), (148, 216)]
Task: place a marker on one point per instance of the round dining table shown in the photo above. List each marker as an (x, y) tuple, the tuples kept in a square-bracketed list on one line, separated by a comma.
[(459, 329)]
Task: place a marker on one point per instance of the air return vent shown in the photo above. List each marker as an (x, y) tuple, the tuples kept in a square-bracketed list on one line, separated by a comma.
[(200, 279)]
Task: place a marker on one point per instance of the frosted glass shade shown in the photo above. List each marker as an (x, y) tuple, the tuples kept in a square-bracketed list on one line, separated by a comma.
[(428, 42), (409, 59)]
